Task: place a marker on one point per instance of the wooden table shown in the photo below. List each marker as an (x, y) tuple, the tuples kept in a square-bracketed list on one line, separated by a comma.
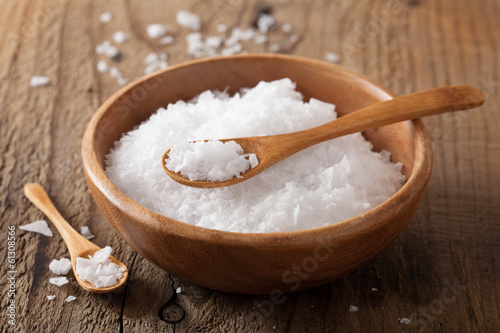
[(442, 272)]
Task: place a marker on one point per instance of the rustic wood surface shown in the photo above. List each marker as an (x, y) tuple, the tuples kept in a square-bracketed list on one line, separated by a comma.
[(442, 272)]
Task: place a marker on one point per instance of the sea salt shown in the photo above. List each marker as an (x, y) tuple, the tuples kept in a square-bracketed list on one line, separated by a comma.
[(294, 38), (332, 57), (99, 270), (107, 49), (39, 81), (405, 321), (178, 290), (265, 22), (155, 62), (70, 299), (39, 226), (61, 266), (188, 20), (51, 297), (324, 184), (85, 231), (58, 281), (102, 66), (120, 37), (156, 30), (105, 17), (166, 40), (211, 160), (221, 27), (286, 27), (353, 308)]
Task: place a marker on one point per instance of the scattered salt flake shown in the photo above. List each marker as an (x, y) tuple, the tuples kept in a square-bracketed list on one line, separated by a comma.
[(58, 281), (39, 81), (156, 30), (99, 270), (178, 290), (260, 39), (102, 66), (39, 226), (211, 160), (85, 231), (274, 47), (265, 22), (120, 37), (286, 27), (166, 40), (155, 62), (294, 38), (51, 297), (107, 49), (188, 20), (105, 17), (353, 308), (405, 321), (332, 57), (61, 266), (70, 299), (221, 28)]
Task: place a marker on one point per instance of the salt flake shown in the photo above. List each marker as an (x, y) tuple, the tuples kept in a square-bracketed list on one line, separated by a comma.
[(39, 226)]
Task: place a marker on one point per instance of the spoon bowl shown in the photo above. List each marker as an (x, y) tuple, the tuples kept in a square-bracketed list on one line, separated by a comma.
[(78, 246), (274, 148)]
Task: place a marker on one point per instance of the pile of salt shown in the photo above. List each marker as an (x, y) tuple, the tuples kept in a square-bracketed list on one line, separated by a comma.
[(211, 160), (99, 270)]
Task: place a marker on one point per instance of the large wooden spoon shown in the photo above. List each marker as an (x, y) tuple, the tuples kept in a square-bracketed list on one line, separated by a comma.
[(272, 149), (78, 246)]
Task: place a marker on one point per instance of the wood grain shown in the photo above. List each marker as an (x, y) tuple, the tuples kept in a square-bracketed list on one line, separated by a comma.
[(442, 271)]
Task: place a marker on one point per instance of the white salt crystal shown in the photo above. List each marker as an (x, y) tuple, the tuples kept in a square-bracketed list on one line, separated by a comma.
[(265, 22), (120, 37), (260, 39), (39, 81), (39, 226), (404, 321), (156, 30), (209, 160), (61, 266), (107, 49), (286, 27), (188, 20), (155, 62), (322, 185), (51, 297), (274, 47), (178, 290), (70, 299), (99, 270), (353, 308), (294, 38), (58, 281), (85, 231), (166, 40), (105, 17), (102, 66), (332, 57), (221, 28)]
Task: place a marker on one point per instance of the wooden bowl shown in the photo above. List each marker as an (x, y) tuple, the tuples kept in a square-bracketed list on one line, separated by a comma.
[(266, 262)]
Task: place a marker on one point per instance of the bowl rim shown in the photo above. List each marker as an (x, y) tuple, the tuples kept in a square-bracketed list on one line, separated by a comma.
[(414, 184)]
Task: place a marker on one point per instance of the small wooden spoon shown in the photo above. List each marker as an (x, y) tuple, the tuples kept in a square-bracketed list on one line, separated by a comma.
[(78, 246), (274, 148)]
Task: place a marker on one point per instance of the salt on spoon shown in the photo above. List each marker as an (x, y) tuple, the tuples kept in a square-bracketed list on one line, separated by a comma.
[(269, 150), (78, 246)]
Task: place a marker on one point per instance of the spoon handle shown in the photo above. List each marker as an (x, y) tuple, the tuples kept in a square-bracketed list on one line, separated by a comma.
[(413, 106), (37, 195)]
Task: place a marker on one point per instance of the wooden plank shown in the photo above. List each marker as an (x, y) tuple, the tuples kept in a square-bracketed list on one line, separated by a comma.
[(441, 272)]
